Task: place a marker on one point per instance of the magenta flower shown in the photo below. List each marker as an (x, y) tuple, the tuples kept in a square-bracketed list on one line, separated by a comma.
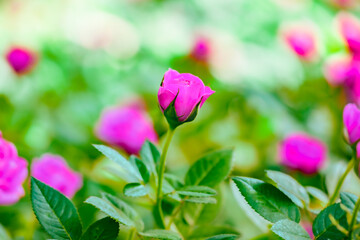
[(126, 127), (303, 152), (350, 30), (301, 40), (180, 95), (308, 228), (351, 117), (20, 59), (338, 70), (201, 50), (13, 172), (55, 172)]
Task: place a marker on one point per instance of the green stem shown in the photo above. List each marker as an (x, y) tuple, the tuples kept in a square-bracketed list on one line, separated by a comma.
[(161, 174), (350, 166), (132, 232), (354, 215), (174, 214)]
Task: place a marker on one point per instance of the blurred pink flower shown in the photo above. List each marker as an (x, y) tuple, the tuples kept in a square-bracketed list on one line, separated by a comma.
[(308, 228), (337, 70), (20, 59), (188, 91), (344, 3), (350, 31), (358, 151), (126, 127), (201, 50), (351, 117), (13, 172), (302, 152), (301, 40), (55, 172)]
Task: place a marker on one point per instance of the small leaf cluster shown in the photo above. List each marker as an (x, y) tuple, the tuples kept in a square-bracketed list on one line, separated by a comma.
[(189, 204), (285, 204)]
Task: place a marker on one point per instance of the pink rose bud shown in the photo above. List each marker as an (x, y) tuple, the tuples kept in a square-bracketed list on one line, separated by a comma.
[(21, 60), (308, 228), (303, 152), (301, 40), (55, 172), (351, 117), (180, 96), (126, 127), (337, 70), (201, 50), (350, 30), (13, 172)]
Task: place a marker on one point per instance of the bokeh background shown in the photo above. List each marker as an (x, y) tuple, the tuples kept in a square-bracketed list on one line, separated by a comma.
[(92, 54)]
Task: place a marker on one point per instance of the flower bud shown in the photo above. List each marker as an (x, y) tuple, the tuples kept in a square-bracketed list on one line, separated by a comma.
[(351, 117), (337, 70), (301, 40), (201, 50), (13, 172), (20, 59), (180, 96), (126, 127), (55, 172), (350, 30), (303, 153)]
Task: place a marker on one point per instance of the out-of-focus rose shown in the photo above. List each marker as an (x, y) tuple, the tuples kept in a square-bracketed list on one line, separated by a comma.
[(126, 127), (55, 172), (302, 152), (337, 70), (180, 95), (13, 172), (308, 228), (20, 59), (301, 40), (344, 3), (358, 150), (351, 117), (201, 50), (350, 30)]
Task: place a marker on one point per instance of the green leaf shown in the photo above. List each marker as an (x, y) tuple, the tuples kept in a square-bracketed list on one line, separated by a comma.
[(290, 230), (161, 234), (355, 234), (223, 237), (141, 167), (197, 191), (318, 194), (129, 172), (55, 212), (207, 230), (267, 200), (150, 155), (208, 212), (110, 210), (103, 229), (126, 209), (210, 170), (289, 186), (324, 228), (349, 200), (173, 180), (135, 190), (4, 234), (204, 200)]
